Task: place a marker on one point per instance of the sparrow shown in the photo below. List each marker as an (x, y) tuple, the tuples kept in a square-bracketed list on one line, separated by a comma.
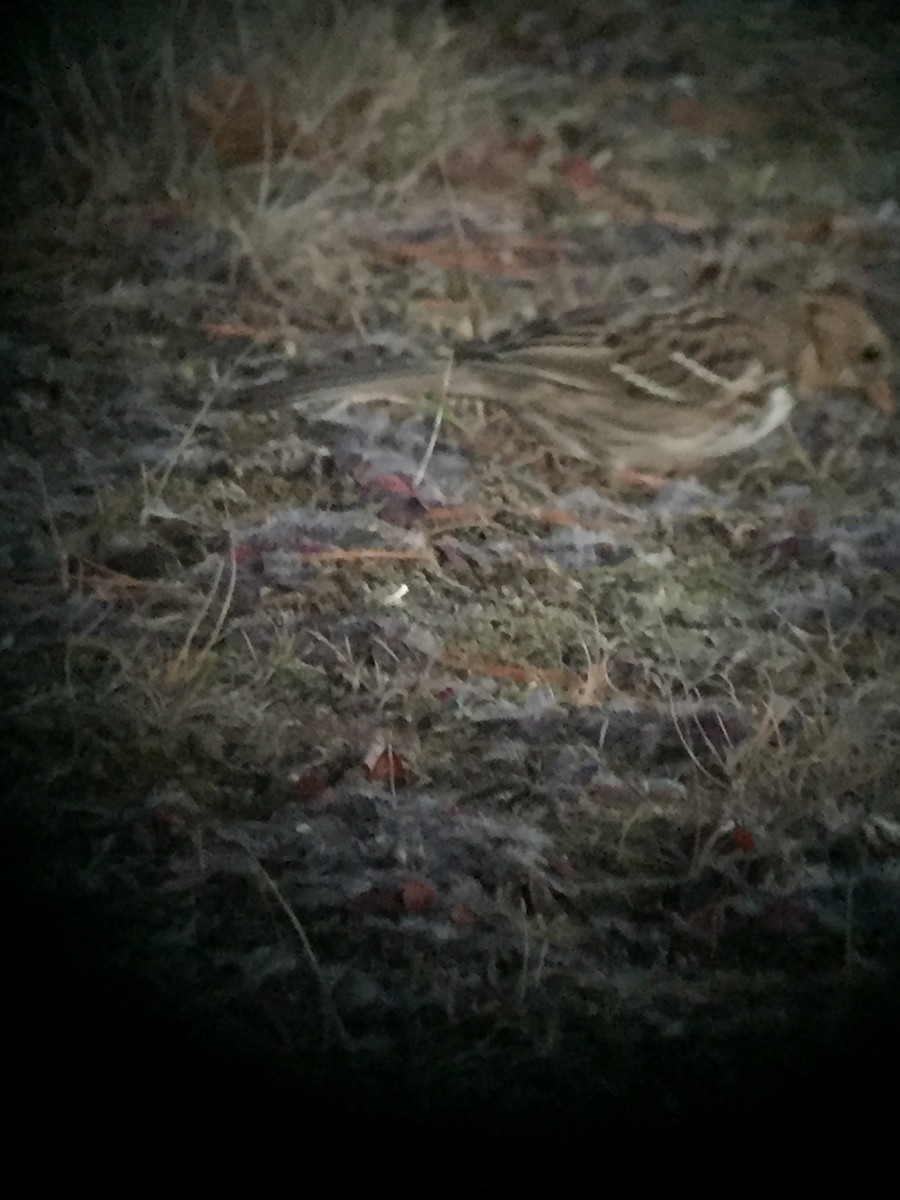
[(666, 388)]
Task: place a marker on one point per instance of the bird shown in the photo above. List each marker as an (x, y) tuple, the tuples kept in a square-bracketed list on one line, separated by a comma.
[(665, 388)]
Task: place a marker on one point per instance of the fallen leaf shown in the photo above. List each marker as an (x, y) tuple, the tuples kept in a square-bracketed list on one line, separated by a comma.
[(402, 511), (245, 552), (556, 516), (578, 173), (386, 901), (457, 516), (135, 220), (383, 764), (638, 198), (308, 785), (510, 256), (787, 916), (706, 924), (880, 395), (492, 162), (465, 914), (561, 865), (743, 839), (418, 897), (365, 554), (171, 817), (237, 329), (520, 673), (714, 120), (241, 123), (399, 485), (816, 232)]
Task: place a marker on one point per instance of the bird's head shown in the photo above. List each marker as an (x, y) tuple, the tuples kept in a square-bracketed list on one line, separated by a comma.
[(842, 346)]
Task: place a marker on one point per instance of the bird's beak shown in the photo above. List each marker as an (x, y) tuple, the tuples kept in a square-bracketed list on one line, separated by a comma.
[(880, 396)]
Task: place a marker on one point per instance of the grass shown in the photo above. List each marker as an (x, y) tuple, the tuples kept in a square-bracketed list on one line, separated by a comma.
[(502, 794)]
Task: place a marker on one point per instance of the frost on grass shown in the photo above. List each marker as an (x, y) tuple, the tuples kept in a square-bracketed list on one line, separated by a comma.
[(403, 723)]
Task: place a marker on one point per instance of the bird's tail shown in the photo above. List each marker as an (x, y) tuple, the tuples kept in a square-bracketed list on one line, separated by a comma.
[(467, 389), (326, 395)]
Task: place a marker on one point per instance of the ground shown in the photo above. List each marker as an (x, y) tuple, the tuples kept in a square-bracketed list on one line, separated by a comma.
[(397, 762)]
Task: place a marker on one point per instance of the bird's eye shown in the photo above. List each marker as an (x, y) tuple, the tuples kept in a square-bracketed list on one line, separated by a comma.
[(870, 353)]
